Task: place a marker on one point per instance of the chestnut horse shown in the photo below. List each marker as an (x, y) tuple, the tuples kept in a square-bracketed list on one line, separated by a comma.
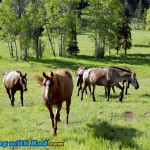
[(57, 87), (14, 81), (108, 77)]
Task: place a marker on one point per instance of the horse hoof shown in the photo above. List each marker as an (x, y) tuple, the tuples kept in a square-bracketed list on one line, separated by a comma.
[(54, 133), (120, 100), (59, 119)]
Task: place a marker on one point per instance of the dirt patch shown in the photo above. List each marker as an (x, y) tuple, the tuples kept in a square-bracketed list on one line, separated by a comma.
[(128, 114)]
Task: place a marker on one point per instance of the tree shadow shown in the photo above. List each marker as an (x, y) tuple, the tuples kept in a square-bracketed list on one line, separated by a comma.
[(145, 95), (131, 59), (141, 45), (114, 133)]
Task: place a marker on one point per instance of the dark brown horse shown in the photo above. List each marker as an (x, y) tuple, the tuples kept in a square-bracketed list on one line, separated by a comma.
[(14, 81), (108, 77), (57, 87)]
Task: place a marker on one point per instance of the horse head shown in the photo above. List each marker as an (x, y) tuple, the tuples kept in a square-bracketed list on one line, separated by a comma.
[(23, 81), (79, 79), (47, 84), (134, 81), (80, 72)]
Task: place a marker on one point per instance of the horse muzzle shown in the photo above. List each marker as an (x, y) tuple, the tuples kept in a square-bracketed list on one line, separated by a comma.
[(25, 89), (136, 87)]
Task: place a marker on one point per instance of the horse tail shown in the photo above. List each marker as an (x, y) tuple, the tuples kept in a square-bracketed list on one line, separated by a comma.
[(39, 79)]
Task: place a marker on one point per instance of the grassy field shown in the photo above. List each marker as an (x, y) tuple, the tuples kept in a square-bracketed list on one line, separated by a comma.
[(92, 125)]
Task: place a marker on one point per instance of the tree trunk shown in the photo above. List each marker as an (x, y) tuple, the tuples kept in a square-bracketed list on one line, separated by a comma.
[(16, 50), (60, 44), (51, 43), (125, 51), (25, 54), (36, 47), (9, 49)]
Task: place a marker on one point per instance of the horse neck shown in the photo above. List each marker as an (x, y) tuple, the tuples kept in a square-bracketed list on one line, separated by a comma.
[(125, 75)]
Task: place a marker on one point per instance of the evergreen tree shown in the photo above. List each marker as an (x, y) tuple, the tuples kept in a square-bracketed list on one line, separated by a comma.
[(123, 35), (139, 10)]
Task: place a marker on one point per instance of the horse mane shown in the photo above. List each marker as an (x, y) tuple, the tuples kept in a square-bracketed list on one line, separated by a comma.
[(39, 79), (123, 69)]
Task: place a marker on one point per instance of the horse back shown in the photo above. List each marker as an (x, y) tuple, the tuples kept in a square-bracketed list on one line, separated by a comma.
[(98, 76), (11, 79), (65, 83)]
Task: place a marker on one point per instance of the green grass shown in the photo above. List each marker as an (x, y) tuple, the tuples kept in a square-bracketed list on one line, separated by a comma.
[(92, 125)]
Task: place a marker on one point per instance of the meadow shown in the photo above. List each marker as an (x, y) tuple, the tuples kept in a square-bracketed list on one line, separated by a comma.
[(92, 125)]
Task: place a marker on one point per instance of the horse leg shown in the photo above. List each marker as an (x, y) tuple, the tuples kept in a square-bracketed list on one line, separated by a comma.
[(51, 114), (108, 93), (113, 90), (21, 97), (80, 87), (56, 117), (86, 91), (127, 86), (89, 88), (68, 102), (122, 91), (93, 93), (12, 98), (85, 85), (8, 92)]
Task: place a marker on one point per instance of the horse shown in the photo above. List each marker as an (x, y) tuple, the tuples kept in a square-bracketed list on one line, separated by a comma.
[(15, 81), (57, 87), (108, 77), (79, 80)]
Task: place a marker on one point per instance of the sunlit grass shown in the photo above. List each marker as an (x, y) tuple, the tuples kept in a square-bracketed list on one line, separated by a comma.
[(92, 125)]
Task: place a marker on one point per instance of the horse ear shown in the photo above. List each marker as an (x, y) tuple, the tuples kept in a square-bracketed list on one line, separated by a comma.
[(44, 75), (21, 75), (52, 74), (25, 74)]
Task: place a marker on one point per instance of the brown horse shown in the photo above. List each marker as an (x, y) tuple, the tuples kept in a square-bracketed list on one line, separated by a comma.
[(79, 81), (14, 81), (56, 88), (108, 77)]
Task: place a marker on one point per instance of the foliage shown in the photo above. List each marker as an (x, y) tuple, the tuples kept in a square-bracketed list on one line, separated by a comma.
[(103, 17), (148, 20), (124, 35)]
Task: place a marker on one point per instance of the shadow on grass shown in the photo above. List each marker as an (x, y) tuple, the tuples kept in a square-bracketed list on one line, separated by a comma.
[(131, 59), (56, 63), (113, 133), (145, 95), (140, 45)]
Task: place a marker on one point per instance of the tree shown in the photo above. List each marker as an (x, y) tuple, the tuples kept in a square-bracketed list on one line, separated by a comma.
[(61, 22), (35, 15), (9, 25), (102, 17), (139, 10), (148, 20), (123, 35)]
